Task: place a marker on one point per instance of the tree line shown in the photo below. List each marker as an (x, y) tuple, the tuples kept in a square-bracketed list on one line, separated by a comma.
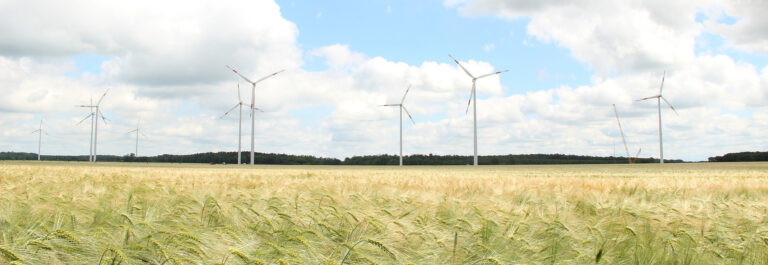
[(740, 157), (208, 157), (384, 159), (523, 159)]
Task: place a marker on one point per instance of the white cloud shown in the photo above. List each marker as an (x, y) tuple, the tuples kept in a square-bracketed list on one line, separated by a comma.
[(750, 32), (611, 36), (148, 43)]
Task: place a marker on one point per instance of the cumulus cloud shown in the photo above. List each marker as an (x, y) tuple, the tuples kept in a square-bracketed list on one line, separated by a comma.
[(154, 43), (750, 31), (611, 36)]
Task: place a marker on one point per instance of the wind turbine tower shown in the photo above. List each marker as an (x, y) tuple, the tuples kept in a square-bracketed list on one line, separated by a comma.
[(137, 131), (253, 99), (402, 108), (40, 138), (90, 115), (473, 99), (659, 98)]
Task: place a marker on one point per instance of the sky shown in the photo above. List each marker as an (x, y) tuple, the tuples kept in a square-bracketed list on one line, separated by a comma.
[(568, 61)]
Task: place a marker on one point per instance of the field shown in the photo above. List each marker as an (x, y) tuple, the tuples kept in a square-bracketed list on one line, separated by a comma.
[(111, 213)]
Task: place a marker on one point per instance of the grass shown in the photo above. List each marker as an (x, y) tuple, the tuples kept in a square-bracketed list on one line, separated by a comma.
[(112, 213)]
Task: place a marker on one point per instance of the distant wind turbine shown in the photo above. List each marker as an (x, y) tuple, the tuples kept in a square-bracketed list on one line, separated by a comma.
[(137, 131), (659, 98), (90, 143), (40, 138), (473, 98), (95, 113), (622, 137), (402, 108), (240, 122), (253, 99)]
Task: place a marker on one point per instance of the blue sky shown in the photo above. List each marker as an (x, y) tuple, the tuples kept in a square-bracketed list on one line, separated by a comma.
[(568, 63), (418, 31)]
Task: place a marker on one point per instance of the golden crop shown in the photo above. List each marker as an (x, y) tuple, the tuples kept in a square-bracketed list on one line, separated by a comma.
[(113, 213)]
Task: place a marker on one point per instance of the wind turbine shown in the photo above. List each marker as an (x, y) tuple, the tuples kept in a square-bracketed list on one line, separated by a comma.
[(253, 99), (40, 138), (622, 137), (402, 108), (473, 98), (659, 98), (90, 115), (240, 123), (95, 112), (137, 130)]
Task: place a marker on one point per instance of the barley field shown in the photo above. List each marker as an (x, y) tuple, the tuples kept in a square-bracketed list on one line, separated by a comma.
[(113, 213)]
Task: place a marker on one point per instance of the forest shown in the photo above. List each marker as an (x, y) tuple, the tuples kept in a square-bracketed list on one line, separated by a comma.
[(384, 159), (741, 157)]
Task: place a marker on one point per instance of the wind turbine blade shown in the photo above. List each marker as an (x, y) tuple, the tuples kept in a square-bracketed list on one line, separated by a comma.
[(239, 99), (389, 105), (494, 73), (461, 66), (35, 131), (409, 114), (470, 97), (270, 75), (86, 117), (132, 131), (102, 97), (254, 108), (230, 110), (406, 93), (99, 113), (662, 81), (670, 105), (233, 70), (142, 134), (646, 98)]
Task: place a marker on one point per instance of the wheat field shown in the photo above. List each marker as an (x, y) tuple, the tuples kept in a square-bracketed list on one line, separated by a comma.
[(113, 213)]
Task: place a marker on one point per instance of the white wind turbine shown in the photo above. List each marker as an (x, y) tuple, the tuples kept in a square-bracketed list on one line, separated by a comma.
[(95, 113), (253, 99), (137, 131), (473, 98), (90, 143), (402, 108), (240, 122), (659, 98), (40, 138)]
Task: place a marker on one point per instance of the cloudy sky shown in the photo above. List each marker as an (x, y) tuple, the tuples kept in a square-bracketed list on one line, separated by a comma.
[(164, 62)]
